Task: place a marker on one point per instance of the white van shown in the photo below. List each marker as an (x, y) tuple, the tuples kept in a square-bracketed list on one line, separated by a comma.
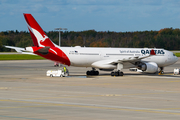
[(57, 73)]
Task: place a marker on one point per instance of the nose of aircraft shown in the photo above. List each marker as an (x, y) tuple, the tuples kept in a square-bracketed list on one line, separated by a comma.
[(172, 58), (175, 58)]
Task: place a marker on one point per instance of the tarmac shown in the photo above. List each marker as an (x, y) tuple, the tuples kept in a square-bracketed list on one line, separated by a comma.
[(26, 93)]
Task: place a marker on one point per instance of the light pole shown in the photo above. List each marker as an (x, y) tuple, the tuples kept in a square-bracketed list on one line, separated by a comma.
[(56, 63), (60, 34)]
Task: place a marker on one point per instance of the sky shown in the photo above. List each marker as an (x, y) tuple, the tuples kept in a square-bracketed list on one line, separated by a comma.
[(100, 15)]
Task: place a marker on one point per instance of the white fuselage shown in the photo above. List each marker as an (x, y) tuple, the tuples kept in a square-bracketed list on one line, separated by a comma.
[(85, 56)]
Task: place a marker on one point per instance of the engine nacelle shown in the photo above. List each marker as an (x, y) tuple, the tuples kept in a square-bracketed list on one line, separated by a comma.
[(149, 67)]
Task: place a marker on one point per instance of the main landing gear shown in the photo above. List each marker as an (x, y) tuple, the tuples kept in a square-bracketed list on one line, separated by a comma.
[(92, 72), (117, 73), (161, 71)]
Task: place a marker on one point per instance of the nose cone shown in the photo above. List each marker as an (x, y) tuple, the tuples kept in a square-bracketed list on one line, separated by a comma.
[(172, 58), (175, 59)]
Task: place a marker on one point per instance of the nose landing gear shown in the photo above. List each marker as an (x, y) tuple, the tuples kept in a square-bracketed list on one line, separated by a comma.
[(161, 72)]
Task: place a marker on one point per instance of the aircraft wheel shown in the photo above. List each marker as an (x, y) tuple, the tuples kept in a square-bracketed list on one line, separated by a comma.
[(88, 73), (112, 73), (121, 74), (97, 72), (92, 73), (51, 75), (117, 73)]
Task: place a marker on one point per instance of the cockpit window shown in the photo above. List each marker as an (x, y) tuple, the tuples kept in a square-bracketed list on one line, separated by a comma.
[(173, 54)]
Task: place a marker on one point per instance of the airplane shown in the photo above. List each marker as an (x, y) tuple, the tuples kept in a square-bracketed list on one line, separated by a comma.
[(148, 60)]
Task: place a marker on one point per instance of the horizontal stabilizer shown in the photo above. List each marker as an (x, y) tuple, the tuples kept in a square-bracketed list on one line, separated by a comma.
[(18, 49)]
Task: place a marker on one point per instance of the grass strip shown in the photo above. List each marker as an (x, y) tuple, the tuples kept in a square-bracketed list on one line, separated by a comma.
[(20, 57), (177, 54)]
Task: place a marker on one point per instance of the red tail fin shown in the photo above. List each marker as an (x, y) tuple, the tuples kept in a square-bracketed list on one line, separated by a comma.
[(39, 37)]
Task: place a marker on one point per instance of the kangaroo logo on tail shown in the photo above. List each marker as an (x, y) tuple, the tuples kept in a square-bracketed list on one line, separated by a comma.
[(40, 39)]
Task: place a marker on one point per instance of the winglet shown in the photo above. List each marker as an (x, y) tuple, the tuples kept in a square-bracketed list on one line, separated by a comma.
[(152, 52)]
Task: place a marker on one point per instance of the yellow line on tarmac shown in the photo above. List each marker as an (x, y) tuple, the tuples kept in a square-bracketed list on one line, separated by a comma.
[(4, 88), (148, 82), (174, 81), (43, 104), (102, 95), (24, 106), (168, 109), (62, 97), (149, 93), (86, 96)]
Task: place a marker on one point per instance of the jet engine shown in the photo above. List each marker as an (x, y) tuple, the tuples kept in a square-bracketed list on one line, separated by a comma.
[(148, 67)]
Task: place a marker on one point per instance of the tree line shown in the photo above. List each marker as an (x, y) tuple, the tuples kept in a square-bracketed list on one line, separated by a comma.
[(167, 38)]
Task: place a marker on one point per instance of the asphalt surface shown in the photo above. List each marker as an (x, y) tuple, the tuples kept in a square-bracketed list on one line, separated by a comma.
[(27, 94)]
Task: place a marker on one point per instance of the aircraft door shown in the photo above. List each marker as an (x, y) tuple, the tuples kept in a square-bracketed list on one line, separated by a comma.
[(101, 55)]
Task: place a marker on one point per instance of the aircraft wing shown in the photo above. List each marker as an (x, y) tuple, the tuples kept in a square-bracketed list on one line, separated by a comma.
[(130, 59), (20, 50), (134, 58), (112, 62)]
